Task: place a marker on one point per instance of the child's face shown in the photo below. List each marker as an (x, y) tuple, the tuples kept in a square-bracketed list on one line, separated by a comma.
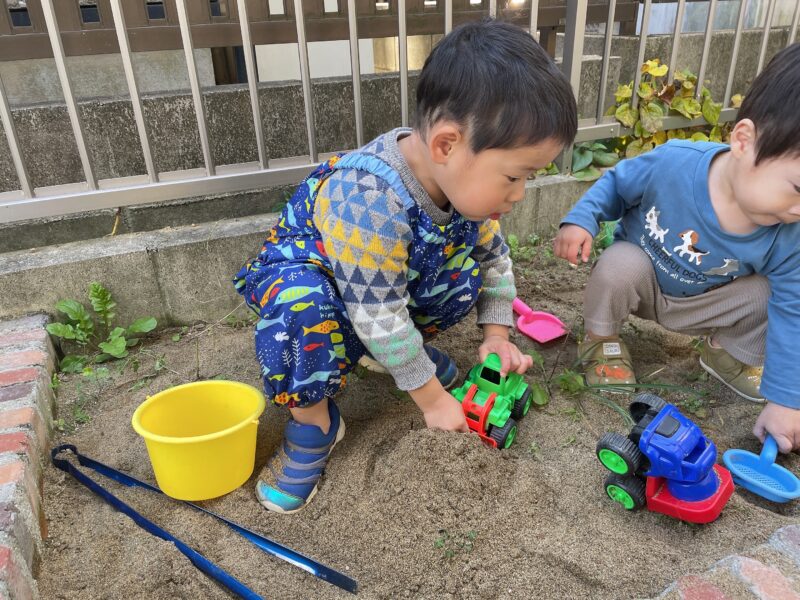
[(767, 193), (489, 183)]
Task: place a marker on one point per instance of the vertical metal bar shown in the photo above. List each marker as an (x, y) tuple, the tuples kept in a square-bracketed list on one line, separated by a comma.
[(574, 33), (535, 18), (305, 76), (403, 51), (795, 20), (63, 76), (642, 47), (493, 9), (355, 68), (765, 37), (194, 82), (448, 16), (712, 9), (676, 38), (13, 143), (133, 88), (737, 38), (252, 82), (601, 98)]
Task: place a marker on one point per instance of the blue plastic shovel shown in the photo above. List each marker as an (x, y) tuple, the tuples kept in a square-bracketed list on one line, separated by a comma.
[(761, 475)]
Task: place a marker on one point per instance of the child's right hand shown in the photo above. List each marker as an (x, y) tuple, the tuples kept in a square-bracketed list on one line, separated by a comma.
[(782, 422), (573, 242), (440, 409)]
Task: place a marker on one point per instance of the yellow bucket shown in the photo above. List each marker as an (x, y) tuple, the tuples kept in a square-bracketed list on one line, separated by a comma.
[(201, 437)]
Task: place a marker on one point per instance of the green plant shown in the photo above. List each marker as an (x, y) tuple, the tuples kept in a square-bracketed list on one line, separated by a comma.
[(523, 252), (96, 341), (539, 394), (457, 543), (659, 98), (588, 156)]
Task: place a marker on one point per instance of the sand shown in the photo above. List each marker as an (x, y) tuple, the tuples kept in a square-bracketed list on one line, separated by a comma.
[(407, 512)]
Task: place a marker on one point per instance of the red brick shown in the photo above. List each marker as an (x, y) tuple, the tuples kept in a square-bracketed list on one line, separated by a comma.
[(17, 475), (768, 582), (15, 442), (25, 417), (693, 587), (15, 392), (17, 579), (787, 540), (24, 324), (18, 376), (20, 337), (25, 358)]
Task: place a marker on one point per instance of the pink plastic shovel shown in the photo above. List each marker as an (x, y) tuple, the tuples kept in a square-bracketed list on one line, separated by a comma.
[(541, 326)]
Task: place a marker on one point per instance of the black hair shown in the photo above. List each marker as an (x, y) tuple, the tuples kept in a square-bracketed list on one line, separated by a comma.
[(770, 104), (494, 79)]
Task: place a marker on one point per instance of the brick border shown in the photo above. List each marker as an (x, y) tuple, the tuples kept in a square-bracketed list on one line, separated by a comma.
[(27, 364)]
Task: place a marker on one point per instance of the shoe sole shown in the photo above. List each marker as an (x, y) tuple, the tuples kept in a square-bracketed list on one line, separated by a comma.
[(716, 376), (275, 508)]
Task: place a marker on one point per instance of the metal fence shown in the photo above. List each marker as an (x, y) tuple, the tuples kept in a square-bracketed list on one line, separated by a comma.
[(193, 21)]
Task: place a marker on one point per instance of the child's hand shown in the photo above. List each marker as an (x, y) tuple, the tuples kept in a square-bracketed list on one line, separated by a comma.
[(573, 242), (511, 359), (440, 409), (446, 413), (782, 422)]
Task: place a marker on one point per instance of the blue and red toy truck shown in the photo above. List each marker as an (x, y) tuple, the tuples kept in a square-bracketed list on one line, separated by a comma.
[(665, 463)]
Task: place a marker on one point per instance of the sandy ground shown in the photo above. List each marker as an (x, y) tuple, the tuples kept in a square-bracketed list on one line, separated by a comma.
[(405, 511)]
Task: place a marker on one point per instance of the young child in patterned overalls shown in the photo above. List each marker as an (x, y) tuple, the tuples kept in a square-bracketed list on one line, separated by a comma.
[(384, 247)]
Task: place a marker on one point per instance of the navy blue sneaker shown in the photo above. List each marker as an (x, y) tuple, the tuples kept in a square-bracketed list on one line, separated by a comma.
[(446, 369), (290, 479)]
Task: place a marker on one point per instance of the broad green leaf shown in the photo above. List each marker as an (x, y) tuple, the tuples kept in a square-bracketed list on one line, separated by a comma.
[(688, 107), (645, 91), (637, 147), (581, 158), (685, 75), (599, 146), (638, 130), (736, 100), (653, 68), (101, 358), (539, 395), (605, 159), (711, 110), (538, 359), (587, 174), (132, 342), (72, 363), (623, 92), (116, 347), (626, 115), (716, 134), (687, 89), (142, 325), (676, 134), (605, 237), (699, 137), (552, 169), (659, 137), (61, 330), (652, 117), (73, 309)]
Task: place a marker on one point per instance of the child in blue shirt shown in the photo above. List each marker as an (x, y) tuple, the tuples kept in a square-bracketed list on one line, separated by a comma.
[(382, 248), (708, 243)]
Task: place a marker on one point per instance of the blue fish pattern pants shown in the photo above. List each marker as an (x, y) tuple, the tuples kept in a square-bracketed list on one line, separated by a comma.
[(305, 342)]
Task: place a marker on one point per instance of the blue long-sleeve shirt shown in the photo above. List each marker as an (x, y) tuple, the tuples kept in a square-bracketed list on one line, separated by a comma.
[(663, 203)]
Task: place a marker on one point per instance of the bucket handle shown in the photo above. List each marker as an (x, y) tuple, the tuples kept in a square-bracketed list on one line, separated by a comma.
[(770, 450)]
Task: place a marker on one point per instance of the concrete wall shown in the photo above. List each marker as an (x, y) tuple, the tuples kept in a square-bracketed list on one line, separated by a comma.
[(50, 154), (35, 81)]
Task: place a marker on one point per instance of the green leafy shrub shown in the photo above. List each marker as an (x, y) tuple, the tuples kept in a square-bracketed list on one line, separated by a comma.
[(92, 333)]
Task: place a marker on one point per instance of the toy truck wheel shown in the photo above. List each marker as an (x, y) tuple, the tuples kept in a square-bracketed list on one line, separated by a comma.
[(626, 490), (618, 454), (504, 436), (522, 406), (644, 402)]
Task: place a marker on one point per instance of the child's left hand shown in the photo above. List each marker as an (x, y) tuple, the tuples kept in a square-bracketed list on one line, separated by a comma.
[(511, 358)]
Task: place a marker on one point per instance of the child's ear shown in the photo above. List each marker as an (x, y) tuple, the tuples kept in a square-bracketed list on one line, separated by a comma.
[(443, 137), (743, 138)]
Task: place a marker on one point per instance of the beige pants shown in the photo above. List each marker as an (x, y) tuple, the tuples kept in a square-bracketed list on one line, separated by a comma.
[(623, 282)]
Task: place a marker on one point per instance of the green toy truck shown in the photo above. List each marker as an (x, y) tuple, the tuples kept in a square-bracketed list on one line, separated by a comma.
[(493, 404)]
